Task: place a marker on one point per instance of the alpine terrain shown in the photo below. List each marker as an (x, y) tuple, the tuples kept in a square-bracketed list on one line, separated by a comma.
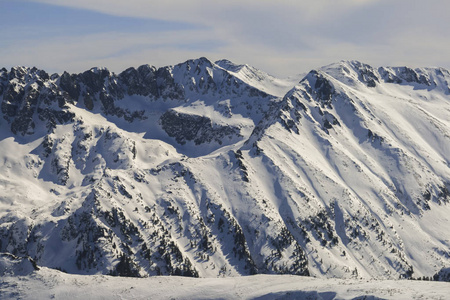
[(211, 169)]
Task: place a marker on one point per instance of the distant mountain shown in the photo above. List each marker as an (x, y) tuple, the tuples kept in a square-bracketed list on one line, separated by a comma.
[(216, 169)]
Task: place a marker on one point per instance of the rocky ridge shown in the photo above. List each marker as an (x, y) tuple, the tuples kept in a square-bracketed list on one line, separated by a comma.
[(196, 170)]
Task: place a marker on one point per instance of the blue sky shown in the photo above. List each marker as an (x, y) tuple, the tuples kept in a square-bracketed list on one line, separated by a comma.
[(281, 37), (41, 20)]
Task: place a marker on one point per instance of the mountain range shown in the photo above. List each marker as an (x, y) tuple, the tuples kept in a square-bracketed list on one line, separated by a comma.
[(217, 169)]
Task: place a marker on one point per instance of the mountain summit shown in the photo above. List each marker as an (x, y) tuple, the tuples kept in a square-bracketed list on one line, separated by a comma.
[(216, 169)]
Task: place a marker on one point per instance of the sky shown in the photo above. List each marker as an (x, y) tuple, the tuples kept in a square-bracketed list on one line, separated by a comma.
[(283, 38)]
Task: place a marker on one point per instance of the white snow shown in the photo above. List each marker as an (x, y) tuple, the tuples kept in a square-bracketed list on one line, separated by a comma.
[(371, 190), (52, 284)]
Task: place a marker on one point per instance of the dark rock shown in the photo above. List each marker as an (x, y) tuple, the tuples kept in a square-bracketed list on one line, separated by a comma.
[(88, 103), (17, 72), (200, 129), (54, 117), (42, 75), (404, 74), (366, 74), (166, 86), (442, 275), (94, 79), (47, 145), (323, 89), (3, 79), (68, 83), (327, 124), (54, 76), (108, 104), (410, 75), (10, 103), (141, 81), (389, 76), (23, 122)]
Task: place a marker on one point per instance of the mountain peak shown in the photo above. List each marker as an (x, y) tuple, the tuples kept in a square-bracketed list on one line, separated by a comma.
[(98, 70), (212, 169), (229, 65), (198, 62)]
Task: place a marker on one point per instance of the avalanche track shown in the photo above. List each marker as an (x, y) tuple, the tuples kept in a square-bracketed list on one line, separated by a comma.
[(215, 169)]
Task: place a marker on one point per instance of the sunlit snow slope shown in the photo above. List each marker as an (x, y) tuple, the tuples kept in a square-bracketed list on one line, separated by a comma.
[(206, 169), (20, 280)]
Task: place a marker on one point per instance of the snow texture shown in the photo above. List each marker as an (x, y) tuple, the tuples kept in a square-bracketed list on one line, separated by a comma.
[(52, 284), (207, 169)]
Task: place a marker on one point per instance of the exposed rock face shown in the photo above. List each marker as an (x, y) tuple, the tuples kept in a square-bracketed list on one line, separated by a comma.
[(140, 81), (196, 170), (32, 99), (27, 99), (442, 275), (29, 91), (366, 74), (68, 83), (200, 129), (404, 74)]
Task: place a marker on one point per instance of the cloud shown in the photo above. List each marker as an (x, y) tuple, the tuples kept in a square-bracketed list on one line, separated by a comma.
[(282, 37), (209, 10), (114, 50)]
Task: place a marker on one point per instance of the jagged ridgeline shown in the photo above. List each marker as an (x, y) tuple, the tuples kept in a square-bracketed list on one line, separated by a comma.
[(217, 169)]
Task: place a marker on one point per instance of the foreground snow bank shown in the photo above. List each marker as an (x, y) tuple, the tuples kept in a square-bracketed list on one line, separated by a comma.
[(11, 265), (47, 283)]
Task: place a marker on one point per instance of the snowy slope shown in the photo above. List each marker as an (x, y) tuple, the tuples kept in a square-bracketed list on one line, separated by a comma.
[(260, 79), (52, 284), (365, 167), (211, 169)]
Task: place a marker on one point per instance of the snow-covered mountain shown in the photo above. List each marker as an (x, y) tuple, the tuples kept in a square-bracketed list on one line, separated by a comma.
[(217, 169)]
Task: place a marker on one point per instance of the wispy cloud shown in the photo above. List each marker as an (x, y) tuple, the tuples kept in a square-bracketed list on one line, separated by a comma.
[(283, 37), (114, 50)]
